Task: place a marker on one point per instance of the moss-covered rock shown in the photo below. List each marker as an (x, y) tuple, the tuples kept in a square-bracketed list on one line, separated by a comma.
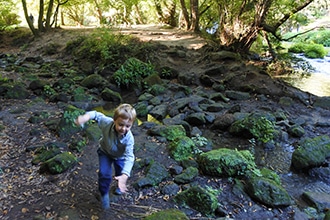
[(141, 109), (168, 214), (155, 173), (45, 154), (268, 192), (259, 126), (199, 199), (186, 176), (169, 132), (110, 95), (311, 152), (269, 174), (181, 148), (226, 162), (154, 82), (17, 91), (59, 164), (94, 81)]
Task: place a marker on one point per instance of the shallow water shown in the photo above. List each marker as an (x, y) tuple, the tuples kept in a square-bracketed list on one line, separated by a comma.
[(317, 82)]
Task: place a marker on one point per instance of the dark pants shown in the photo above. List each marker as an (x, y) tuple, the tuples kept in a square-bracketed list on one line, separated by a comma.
[(105, 170)]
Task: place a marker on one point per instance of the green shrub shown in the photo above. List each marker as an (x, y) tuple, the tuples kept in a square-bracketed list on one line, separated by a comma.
[(297, 48), (316, 37), (315, 51), (7, 17), (132, 73), (309, 50), (104, 47)]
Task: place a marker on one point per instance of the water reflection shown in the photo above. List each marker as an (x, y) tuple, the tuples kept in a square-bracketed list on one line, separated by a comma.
[(318, 81)]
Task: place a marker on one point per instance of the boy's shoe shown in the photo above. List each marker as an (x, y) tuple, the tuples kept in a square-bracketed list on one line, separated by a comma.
[(118, 192), (105, 201)]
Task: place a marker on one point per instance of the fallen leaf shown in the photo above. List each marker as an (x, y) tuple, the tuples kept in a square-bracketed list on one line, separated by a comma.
[(25, 210)]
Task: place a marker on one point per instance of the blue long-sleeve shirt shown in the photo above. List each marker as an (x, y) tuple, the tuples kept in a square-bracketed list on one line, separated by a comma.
[(111, 144)]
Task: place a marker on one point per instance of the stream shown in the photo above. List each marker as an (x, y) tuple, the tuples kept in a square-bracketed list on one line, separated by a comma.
[(317, 81)]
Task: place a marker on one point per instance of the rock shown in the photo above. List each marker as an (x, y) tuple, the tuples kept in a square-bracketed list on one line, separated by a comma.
[(229, 163), (37, 84), (197, 118), (181, 148), (296, 131), (286, 101), (159, 111), (187, 78), (154, 81), (110, 95), (268, 192), (199, 199), (59, 164), (94, 81), (224, 55), (176, 169), (16, 91), (169, 132), (155, 173), (321, 173), (236, 95), (45, 154), (187, 176), (141, 109), (171, 189), (255, 125), (223, 121), (323, 102), (311, 152), (318, 200)]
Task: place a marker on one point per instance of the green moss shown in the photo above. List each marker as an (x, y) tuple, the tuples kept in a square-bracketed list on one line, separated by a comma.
[(168, 214), (60, 163), (181, 148), (230, 163), (199, 199)]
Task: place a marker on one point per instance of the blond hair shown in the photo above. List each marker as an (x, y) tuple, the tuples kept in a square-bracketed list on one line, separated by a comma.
[(125, 111)]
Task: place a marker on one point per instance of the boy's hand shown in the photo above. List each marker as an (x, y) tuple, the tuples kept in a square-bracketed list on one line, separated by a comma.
[(81, 120), (122, 179)]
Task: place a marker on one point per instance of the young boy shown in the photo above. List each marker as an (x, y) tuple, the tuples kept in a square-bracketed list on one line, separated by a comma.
[(116, 148)]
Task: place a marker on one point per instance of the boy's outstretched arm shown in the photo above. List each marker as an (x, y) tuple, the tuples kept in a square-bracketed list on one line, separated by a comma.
[(82, 119)]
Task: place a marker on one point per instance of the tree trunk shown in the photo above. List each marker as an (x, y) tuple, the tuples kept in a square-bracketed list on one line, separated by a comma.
[(185, 14), (172, 12), (159, 11), (102, 20), (241, 37), (29, 21), (49, 14), (194, 16), (41, 26)]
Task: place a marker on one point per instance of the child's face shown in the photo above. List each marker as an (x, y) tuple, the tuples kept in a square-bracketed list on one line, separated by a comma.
[(122, 126)]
